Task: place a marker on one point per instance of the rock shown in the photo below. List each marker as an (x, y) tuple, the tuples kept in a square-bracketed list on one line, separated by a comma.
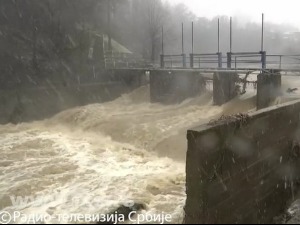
[(123, 211), (290, 90)]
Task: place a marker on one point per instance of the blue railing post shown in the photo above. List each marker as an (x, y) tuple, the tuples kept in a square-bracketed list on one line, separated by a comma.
[(192, 60), (263, 59), (219, 59), (229, 60), (184, 60), (162, 62)]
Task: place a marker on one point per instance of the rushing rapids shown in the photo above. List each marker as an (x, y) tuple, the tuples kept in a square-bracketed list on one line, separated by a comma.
[(91, 158)]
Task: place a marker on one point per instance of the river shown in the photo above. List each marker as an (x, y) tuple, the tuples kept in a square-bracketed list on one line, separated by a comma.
[(90, 159)]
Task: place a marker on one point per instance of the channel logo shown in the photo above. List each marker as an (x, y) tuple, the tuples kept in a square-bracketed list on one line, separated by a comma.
[(5, 217)]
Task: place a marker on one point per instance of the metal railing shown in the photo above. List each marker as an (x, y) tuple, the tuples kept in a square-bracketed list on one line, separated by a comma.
[(206, 60), (232, 60), (246, 60), (173, 61), (120, 60), (283, 61)]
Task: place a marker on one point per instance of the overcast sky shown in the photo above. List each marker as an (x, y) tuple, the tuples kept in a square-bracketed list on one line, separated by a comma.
[(277, 11)]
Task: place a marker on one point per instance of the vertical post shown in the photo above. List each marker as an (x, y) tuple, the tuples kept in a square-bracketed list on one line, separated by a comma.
[(263, 53), (192, 54), (162, 40), (263, 60), (192, 37), (219, 59), (229, 60), (229, 54), (162, 62), (182, 45), (230, 34), (192, 60), (235, 62), (184, 60), (262, 32), (218, 35)]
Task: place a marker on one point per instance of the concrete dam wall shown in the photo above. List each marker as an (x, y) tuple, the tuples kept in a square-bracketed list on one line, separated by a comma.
[(243, 168), (171, 87)]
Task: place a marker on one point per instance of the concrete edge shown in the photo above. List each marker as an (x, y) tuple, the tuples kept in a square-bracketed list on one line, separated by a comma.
[(251, 115)]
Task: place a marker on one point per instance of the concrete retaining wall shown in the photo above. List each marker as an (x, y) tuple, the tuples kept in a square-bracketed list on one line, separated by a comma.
[(25, 103), (243, 169)]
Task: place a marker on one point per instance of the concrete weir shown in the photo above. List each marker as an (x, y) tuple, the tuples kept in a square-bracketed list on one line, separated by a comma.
[(268, 88), (174, 86), (224, 87), (243, 168)]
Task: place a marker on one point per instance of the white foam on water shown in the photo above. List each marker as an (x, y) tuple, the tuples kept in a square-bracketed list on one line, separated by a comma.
[(92, 158)]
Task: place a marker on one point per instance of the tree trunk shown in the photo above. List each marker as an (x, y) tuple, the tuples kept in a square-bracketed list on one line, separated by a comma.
[(152, 48)]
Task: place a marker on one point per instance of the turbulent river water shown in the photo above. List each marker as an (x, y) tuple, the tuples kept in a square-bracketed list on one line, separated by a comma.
[(89, 159)]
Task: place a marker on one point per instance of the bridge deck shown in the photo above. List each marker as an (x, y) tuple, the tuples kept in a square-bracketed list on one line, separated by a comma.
[(241, 62), (212, 70)]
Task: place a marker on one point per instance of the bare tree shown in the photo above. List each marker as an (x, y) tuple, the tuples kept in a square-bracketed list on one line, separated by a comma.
[(155, 15)]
